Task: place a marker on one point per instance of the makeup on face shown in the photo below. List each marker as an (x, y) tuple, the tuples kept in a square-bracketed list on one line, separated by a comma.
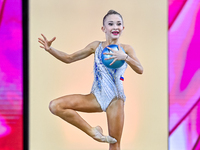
[(113, 25)]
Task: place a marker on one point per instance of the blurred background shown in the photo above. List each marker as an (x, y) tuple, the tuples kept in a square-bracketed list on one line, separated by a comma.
[(184, 74), (75, 24)]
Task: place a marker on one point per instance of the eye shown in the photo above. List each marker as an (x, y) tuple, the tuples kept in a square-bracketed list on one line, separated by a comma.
[(119, 24), (110, 24)]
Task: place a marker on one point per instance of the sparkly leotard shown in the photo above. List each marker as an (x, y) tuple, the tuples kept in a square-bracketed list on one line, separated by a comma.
[(107, 84)]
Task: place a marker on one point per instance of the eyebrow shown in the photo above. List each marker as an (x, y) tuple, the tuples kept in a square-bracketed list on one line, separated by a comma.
[(113, 21)]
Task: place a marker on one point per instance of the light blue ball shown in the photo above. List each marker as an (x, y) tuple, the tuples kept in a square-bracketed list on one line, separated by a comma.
[(107, 63)]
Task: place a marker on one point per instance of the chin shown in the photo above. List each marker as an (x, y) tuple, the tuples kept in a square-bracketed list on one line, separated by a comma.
[(115, 38)]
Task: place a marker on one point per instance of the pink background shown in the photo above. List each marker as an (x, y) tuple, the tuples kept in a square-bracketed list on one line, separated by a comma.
[(184, 74), (11, 75)]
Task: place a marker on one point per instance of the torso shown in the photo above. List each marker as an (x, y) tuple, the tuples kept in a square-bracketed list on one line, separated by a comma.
[(107, 84)]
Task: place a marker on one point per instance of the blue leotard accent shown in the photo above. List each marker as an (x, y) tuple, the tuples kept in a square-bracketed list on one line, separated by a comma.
[(107, 84)]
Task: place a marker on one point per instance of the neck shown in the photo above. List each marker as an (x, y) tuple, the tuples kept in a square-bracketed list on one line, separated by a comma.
[(112, 41)]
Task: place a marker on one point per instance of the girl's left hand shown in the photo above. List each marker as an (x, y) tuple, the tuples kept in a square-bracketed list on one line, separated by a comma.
[(116, 55)]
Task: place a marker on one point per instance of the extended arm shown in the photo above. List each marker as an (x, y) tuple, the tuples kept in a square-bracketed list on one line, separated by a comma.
[(69, 58), (64, 57)]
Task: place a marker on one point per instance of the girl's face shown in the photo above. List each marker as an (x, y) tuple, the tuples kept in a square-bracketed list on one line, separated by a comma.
[(113, 26)]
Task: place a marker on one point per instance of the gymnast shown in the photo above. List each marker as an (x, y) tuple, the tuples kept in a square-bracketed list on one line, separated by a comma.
[(107, 93)]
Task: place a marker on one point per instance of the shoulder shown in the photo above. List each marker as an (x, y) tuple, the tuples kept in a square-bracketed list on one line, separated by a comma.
[(93, 45), (128, 48)]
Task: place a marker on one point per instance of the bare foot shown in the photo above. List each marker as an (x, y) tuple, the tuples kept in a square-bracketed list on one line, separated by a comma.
[(98, 136)]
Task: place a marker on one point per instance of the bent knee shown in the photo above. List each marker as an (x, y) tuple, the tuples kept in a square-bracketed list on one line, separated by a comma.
[(54, 107)]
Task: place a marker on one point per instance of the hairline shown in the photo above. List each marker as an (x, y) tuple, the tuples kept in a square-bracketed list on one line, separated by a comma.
[(113, 14)]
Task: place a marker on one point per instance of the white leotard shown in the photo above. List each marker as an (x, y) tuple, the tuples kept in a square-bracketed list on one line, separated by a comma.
[(107, 84)]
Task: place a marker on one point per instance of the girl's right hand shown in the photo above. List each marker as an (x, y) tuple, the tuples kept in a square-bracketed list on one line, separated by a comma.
[(45, 43)]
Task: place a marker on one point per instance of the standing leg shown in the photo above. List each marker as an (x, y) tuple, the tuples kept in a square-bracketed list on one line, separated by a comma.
[(115, 116)]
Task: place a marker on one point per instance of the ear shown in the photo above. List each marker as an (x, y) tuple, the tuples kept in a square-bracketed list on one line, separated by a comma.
[(123, 27), (103, 29)]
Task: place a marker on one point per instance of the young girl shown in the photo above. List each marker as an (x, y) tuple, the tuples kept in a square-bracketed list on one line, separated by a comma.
[(107, 92)]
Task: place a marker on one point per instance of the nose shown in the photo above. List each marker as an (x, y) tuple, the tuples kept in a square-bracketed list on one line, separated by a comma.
[(115, 26)]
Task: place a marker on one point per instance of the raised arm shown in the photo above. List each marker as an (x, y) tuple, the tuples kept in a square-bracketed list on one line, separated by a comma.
[(64, 57)]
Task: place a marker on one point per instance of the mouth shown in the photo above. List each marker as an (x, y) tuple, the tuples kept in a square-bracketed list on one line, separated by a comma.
[(115, 32)]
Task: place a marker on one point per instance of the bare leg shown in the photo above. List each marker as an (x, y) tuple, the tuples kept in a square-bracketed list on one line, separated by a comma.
[(65, 107), (115, 116)]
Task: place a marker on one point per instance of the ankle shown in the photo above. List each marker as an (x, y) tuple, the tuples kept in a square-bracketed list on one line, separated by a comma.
[(114, 146), (92, 132)]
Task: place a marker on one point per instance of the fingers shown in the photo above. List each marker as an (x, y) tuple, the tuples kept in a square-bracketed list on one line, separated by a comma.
[(41, 46), (53, 39), (113, 61), (111, 49), (114, 51), (113, 57), (108, 53), (44, 37), (119, 47), (45, 43), (41, 41)]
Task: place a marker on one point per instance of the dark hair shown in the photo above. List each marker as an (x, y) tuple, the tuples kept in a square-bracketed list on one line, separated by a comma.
[(111, 12)]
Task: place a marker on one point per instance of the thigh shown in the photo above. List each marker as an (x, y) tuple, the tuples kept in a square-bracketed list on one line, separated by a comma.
[(115, 116), (79, 102)]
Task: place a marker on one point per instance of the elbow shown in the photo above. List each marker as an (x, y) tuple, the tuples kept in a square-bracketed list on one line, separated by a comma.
[(68, 60), (140, 70)]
